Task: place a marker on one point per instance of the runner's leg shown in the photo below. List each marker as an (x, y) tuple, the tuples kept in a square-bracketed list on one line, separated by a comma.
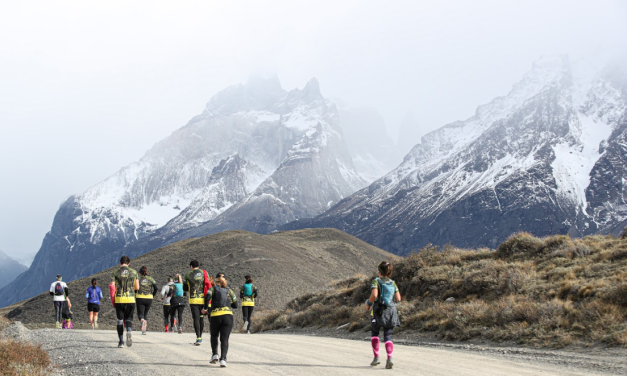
[(214, 329), (250, 316), (225, 332)]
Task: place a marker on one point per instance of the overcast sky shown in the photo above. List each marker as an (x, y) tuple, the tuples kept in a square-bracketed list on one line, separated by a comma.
[(86, 87)]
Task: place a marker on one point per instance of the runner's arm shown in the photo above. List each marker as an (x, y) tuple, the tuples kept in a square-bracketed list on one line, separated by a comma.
[(233, 299), (136, 284), (87, 294), (67, 292), (254, 291), (154, 288), (397, 297)]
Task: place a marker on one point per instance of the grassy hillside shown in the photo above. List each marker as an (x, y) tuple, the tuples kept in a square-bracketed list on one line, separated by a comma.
[(553, 291), (283, 265)]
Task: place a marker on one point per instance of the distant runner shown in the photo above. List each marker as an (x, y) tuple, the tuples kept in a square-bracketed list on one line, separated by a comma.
[(93, 296), (194, 286), (177, 302), (221, 321), (168, 319), (60, 291), (381, 304), (66, 314), (126, 283), (145, 295), (248, 293)]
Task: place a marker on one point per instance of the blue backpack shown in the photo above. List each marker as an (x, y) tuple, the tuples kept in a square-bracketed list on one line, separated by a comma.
[(386, 292), (248, 289)]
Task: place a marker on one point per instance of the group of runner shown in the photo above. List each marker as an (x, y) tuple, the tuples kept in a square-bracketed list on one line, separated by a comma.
[(130, 289)]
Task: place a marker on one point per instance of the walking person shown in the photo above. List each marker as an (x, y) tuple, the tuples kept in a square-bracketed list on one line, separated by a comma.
[(195, 288), (125, 285), (384, 295), (93, 296), (168, 319), (59, 291), (223, 301), (177, 302), (145, 294), (248, 293)]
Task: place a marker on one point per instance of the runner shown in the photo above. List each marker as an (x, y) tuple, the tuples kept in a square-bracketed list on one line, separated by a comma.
[(248, 293), (177, 302), (168, 319), (126, 283), (221, 321), (194, 286), (381, 304), (67, 315), (145, 295), (59, 290), (93, 296)]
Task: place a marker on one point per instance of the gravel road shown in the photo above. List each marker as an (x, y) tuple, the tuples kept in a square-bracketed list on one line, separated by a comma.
[(89, 352)]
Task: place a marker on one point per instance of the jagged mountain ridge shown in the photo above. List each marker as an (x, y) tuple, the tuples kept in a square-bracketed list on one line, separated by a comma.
[(547, 158), (247, 142)]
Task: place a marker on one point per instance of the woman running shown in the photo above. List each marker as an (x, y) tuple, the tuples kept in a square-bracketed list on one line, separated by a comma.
[(381, 304), (248, 293), (93, 296), (221, 319), (168, 319), (177, 302), (144, 296)]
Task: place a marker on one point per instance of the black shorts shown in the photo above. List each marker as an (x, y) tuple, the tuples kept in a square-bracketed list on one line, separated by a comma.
[(93, 307)]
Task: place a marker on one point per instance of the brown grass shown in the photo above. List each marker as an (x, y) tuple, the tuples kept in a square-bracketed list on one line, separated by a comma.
[(549, 292), (21, 358)]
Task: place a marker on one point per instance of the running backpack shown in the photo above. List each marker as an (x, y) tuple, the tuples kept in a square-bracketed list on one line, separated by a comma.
[(58, 289), (386, 292), (248, 290)]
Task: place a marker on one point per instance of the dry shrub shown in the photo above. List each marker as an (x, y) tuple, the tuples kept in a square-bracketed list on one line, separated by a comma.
[(21, 358), (521, 244)]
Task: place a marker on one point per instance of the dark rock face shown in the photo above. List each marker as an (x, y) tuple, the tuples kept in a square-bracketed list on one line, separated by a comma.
[(9, 269), (525, 162)]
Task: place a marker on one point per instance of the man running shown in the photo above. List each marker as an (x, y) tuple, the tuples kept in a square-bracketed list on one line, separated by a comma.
[(195, 287), (93, 296), (60, 291), (126, 283)]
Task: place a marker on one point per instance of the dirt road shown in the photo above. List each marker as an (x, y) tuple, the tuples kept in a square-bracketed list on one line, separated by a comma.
[(88, 352)]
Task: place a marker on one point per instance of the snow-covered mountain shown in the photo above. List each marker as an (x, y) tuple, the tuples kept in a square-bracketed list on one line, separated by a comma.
[(549, 157), (9, 269), (257, 157)]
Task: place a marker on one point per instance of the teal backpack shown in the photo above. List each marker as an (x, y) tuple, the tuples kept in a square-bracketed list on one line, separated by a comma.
[(248, 289), (386, 292)]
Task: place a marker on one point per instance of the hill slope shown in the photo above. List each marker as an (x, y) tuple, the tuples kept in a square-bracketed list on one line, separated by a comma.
[(553, 291), (284, 266), (9, 269)]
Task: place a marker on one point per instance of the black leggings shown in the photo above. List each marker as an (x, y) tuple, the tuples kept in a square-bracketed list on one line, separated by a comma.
[(168, 318), (247, 314), (199, 319), (143, 305), (124, 314), (177, 310), (220, 326)]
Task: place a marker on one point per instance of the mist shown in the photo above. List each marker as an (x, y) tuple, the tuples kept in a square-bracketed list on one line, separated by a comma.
[(87, 88)]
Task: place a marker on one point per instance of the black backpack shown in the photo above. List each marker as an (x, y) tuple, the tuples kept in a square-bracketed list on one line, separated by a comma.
[(58, 289)]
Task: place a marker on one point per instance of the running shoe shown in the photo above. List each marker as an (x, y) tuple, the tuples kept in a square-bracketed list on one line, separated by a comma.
[(198, 341), (58, 325), (375, 361), (129, 339), (96, 325), (92, 326), (144, 325), (121, 345), (248, 332), (389, 364), (214, 359), (180, 330), (244, 326), (222, 362)]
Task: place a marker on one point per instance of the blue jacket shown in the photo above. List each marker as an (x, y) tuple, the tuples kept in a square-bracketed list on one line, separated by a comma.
[(93, 295)]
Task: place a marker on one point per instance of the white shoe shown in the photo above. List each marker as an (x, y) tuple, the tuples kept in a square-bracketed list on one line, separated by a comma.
[(244, 326), (214, 359), (223, 363)]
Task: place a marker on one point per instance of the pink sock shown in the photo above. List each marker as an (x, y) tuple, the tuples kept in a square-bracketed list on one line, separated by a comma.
[(389, 348), (374, 341)]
